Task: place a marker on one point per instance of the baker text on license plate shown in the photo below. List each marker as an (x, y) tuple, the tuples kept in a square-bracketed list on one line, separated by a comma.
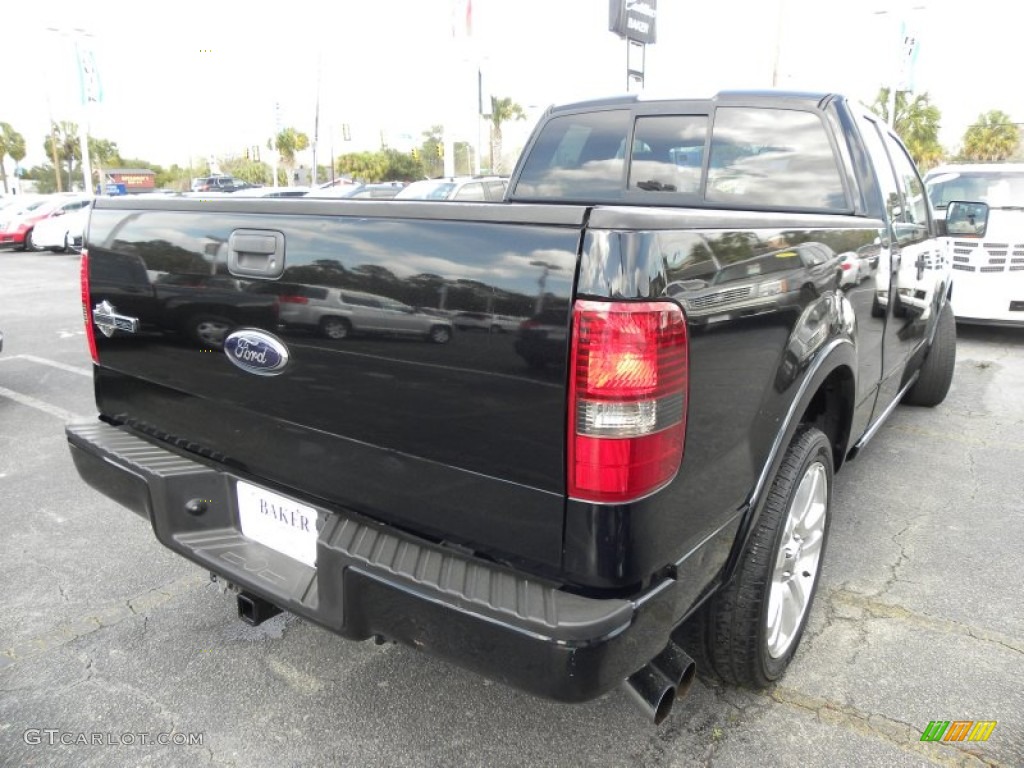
[(278, 522)]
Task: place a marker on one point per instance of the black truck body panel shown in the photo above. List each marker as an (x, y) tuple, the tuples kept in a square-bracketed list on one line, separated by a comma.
[(457, 452), (459, 441)]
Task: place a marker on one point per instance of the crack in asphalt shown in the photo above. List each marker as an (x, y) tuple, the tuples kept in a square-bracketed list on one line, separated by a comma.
[(107, 616), (904, 736), (894, 569), (879, 609)]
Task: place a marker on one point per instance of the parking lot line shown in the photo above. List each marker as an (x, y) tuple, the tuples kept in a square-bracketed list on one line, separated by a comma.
[(53, 364), (40, 405)]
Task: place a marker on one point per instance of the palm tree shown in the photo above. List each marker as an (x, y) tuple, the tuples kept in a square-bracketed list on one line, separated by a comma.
[(288, 142), (11, 143), (63, 145), (917, 123), (992, 139), (502, 110)]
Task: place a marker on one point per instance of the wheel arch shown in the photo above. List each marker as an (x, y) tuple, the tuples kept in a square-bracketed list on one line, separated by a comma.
[(333, 316), (825, 399)]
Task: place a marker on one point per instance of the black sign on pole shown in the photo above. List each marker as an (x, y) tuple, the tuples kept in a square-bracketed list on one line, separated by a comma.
[(634, 19)]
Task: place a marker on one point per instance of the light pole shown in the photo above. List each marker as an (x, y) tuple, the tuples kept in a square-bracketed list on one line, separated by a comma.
[(542, 282)]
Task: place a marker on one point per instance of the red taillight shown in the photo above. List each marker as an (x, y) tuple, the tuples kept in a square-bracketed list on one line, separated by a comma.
[(627, 399), (845, 266), (294, 300), (90, 331)]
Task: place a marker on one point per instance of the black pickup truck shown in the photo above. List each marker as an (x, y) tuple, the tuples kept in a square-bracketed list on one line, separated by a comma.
[(719, 302)]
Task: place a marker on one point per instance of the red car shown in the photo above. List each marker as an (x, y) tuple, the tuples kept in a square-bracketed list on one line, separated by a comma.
[(16, 225)]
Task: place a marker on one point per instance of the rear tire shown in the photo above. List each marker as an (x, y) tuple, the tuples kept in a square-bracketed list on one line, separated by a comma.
[(210, 330), (936, 373), (440, 334), (335, 328), (26, 244), (748, 632)]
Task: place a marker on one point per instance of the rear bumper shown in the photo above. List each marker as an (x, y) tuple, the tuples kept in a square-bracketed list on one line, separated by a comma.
[(371, 580)]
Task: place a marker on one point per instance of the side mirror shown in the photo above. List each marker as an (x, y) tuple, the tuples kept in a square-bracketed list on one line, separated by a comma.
[(59, 212), (966, 218)]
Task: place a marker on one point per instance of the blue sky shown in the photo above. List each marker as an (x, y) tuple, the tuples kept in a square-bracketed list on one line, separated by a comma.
[(204, 79)]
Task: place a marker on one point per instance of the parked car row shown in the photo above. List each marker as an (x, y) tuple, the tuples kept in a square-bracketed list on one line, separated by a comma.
[(467, 188), (54, 222), (57, 222)]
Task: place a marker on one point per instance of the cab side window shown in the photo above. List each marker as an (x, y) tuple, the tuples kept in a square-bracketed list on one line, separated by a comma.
[(577, 157), (912, 225), (885, 174)]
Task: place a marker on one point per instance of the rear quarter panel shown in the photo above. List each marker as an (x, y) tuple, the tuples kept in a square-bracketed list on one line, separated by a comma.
[(755, 339)]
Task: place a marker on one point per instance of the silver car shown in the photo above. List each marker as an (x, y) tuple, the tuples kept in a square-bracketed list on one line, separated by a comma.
[(338, 313)]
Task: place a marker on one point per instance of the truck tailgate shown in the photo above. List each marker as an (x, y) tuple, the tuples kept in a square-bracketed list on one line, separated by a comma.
[(392, 403)]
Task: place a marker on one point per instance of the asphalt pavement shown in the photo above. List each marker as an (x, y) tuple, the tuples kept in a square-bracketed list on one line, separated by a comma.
[(110, 645)]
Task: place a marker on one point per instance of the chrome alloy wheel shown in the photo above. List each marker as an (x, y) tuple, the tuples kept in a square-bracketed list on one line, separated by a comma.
[(797, 560)]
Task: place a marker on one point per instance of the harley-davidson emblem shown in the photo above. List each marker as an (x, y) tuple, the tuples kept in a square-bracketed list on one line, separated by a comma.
[(256, 352), (105, 316)]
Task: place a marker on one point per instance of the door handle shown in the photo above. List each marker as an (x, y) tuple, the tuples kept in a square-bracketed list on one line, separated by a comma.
[(895, 260), (256, 253)]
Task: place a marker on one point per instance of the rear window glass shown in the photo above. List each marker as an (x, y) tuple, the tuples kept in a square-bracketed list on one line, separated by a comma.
[(668, 152), (759, 157), (772, 157), (578, 157)]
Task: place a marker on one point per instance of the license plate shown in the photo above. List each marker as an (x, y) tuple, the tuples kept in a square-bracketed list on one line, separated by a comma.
[(278, 522)]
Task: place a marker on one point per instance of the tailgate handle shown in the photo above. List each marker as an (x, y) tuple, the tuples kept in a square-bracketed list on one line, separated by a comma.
[(256, 253)]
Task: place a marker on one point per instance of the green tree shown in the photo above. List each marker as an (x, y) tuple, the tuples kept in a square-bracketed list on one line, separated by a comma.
[(502, 111), (175, 177), (917, 123), (288, 142), (63, 144), (993, 139), (45, 178), (402, 166), (247, 169), (12, 144), (365, 166), (386, 165), (104, 154)]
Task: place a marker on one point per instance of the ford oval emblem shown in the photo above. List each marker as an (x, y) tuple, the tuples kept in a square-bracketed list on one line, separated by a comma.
[(256, 352)]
